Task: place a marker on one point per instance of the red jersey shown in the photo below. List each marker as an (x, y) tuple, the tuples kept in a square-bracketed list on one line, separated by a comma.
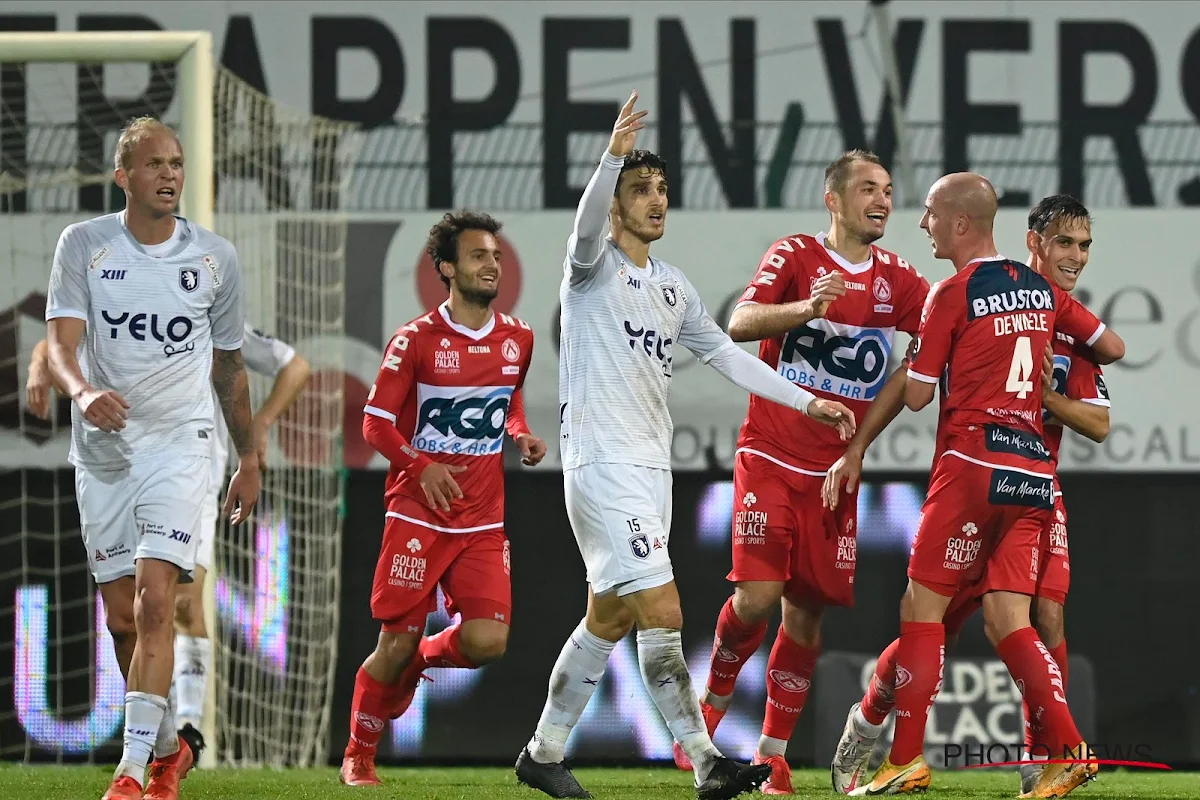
[(451, 393), (843, 356), (983, 333), (1079, 377)]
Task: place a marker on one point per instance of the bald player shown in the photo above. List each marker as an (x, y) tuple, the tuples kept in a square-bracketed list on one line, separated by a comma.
[(991, 492)]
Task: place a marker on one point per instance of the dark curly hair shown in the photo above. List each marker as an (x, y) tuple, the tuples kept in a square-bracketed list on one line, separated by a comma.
[(641, 159), (1057, 208), (442, 244)]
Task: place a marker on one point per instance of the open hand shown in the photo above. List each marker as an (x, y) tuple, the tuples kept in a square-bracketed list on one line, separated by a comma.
[(244, 487), (833, 414), (439, 485), (624, 133), (847, 469), (1048, 370)]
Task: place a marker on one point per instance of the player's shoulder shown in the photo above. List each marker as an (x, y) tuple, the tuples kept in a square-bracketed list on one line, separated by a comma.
[(213, 244), (794, 248), (418, 328), (511, 325), (92, 233), (893, 264)]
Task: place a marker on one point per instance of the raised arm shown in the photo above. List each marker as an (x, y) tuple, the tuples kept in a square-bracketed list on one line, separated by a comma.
[(586, 242)]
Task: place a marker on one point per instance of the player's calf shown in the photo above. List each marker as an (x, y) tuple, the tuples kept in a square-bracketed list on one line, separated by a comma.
[(470, 644)]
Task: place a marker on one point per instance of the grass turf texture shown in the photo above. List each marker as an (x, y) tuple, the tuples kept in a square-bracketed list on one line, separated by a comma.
[(82, 783)]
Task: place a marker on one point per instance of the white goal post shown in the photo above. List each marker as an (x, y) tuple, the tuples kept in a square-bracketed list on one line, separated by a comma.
[(192, 51), (271, 600)]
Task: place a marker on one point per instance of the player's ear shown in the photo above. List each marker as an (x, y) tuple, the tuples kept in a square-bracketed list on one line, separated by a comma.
[(447, 269), (832, 202), (1033, 243), (121, 178)]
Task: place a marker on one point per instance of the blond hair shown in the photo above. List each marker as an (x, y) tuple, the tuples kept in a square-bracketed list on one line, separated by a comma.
[(134, 134)]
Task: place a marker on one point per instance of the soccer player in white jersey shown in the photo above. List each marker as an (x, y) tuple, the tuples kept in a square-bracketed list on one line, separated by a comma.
[(622, 314), (265, 355), (144, 310)]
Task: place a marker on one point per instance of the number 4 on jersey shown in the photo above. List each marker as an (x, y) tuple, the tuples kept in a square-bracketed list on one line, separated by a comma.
[(1020, 371)]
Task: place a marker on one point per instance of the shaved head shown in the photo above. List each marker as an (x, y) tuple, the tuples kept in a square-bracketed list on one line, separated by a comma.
[(967, 194), (960, 212)]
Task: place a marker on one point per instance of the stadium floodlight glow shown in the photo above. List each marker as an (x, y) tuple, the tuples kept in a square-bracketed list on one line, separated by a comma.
[(32, 685)]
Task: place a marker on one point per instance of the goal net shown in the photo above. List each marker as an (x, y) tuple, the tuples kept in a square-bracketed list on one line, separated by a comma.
[(277, 178)]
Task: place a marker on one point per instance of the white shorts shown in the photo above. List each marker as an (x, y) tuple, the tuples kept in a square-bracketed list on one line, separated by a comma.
[(210, 516), (621, 516), (150, 510)]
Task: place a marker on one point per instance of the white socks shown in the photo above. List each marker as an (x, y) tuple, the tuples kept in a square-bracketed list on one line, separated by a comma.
[(574, 679), (665, 673), (143, 717), (864, 728), (192, 655), (166, 743), (768, 746)]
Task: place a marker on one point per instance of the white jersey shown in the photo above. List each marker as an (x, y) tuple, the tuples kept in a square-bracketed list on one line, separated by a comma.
[(154, 315), (620, 323), (263, 354)]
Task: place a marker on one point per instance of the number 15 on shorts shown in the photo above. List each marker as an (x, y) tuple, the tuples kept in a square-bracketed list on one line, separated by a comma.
[(634, 525)]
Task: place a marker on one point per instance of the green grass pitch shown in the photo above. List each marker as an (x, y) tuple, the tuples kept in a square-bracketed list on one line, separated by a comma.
[(461, 783)]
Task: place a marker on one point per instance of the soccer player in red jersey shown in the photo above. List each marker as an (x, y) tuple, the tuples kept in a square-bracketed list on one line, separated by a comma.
[(992, 488), (1059, 239), (826, 309), (448, 390)]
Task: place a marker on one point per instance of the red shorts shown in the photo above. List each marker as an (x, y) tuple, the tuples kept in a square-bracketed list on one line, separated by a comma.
[(1054, 573), (980, 529), (471, 568), (782, 532)]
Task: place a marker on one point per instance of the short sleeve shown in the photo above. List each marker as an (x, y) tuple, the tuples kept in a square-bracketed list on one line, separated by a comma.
[(1085, 381), (1072, 318), (265, 354), (776, 273), (396, 375), (227, 315), (68, 294), (935, 336), (699, 332)]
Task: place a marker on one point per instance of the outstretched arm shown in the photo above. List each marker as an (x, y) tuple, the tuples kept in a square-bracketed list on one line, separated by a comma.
[(586, 242)]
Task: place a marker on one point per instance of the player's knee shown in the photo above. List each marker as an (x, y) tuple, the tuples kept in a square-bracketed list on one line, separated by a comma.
[(802, 623), (150, 607), (393, 652), (185, 611), (613, 628), (1049, 623), (754, 602), (484, 646), (660, 615), (121, 625)]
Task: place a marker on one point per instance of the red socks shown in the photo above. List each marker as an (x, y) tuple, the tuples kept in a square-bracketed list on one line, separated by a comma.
[(441, 650), (880, 697), (1033, 730), (1043, 686), (369, 711), (920, 656), (789, 674), (735, 642)]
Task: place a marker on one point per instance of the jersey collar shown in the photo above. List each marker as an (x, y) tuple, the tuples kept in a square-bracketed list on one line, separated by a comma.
[(997, 257), (444, 310), (853, 269)]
